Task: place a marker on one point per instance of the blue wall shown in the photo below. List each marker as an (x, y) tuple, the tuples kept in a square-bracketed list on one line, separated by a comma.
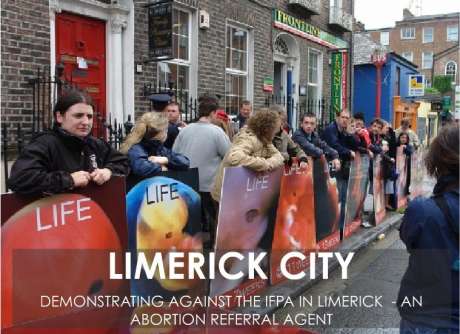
[(365, 87)]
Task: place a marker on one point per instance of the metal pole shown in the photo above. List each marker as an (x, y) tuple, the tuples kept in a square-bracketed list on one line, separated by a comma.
[(379, 91)]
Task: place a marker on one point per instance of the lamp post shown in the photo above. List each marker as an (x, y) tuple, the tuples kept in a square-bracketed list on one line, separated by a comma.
[(378, 58)]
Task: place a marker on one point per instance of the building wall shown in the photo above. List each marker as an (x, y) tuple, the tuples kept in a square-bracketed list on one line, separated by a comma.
[(417, 47), (253, 15), (364, 92), (365, 88), (25, 43)]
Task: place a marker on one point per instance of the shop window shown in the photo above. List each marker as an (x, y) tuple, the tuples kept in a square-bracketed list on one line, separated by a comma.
[(408, 33), (427, 35), (452, 33), (176, 72), (236, 68), (427, 60)]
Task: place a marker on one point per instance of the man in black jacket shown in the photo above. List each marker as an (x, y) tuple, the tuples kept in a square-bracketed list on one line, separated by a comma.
[(310, 142), (66, 157), (337, 136)]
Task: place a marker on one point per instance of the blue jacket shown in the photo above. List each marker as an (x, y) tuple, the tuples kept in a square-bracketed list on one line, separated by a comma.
[(140, 165), (313, 146), (342, 142), (434, 259)]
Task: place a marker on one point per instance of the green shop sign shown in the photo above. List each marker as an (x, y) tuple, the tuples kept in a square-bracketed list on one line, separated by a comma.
[(303, 29)]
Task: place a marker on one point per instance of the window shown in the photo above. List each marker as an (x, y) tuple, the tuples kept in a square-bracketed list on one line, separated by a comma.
[(385, 38), (452, 33), (408, 55), (175, 72), (397, 87), (427, 83), (427, 60), (408, 33), (451, 69), (236, 68), (314, 78), (427, 35)]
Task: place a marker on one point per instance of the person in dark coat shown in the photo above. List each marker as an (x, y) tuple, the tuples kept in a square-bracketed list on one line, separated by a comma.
[(430, 231), (175, 124), (67, 156), (389, 135), (244, 113), (311, 143), (147, 155), (337, 137), (408, 149)]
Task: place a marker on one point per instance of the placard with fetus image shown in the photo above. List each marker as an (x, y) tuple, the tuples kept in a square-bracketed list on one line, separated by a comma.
[(327, 205), (164, 215), (246, 220), (378, 189), (356, 192), (295, 228)]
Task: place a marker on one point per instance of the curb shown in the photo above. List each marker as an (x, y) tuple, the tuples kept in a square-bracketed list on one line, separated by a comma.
[(359, 240)]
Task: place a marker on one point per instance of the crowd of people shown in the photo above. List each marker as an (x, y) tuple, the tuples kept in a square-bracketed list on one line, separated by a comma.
[(68, 157)]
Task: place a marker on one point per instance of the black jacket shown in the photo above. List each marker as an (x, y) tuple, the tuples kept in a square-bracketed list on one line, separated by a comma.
[(340, 141), (173, 132), (46, 163), (390, 137), (139, 158), (313, 146)]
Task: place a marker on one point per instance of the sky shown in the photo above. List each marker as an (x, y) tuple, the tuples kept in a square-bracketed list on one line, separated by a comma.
[(384, 13)]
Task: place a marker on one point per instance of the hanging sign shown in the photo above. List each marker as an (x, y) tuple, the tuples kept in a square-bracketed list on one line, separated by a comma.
[(268, 85), (416, 85), (160, 31), (339, 66)]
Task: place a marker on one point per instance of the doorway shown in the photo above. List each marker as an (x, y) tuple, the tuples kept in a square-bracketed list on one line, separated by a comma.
[(81, 50), (286, 75)]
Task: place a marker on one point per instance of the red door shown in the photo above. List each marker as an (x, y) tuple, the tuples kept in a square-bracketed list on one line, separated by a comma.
[(80, 47)]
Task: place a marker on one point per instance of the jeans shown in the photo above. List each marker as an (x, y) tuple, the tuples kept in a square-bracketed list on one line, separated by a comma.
[(342, 186), (209, 212)]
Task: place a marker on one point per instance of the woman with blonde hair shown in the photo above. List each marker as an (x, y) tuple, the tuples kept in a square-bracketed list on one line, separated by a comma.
[(146, 152), (252, 147)]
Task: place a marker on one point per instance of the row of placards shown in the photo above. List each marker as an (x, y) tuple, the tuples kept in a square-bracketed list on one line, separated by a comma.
[(276, 212)]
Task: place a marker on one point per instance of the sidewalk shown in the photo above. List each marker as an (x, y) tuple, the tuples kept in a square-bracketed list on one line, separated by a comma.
[(359, 240)]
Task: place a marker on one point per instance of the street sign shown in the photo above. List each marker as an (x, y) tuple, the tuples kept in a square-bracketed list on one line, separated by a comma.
[(416, 85), (161, 31), (268, 85)]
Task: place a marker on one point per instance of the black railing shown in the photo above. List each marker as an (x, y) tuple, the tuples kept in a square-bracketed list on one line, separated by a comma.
[(295, 110), (187, 104), (45, 91)]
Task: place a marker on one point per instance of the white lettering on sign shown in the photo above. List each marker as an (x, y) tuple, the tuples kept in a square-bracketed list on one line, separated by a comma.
[(61, 212), (257, 183)]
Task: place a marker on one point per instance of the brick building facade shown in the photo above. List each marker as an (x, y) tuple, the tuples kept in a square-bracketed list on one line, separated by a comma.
[(425, 40), (249, 46)]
